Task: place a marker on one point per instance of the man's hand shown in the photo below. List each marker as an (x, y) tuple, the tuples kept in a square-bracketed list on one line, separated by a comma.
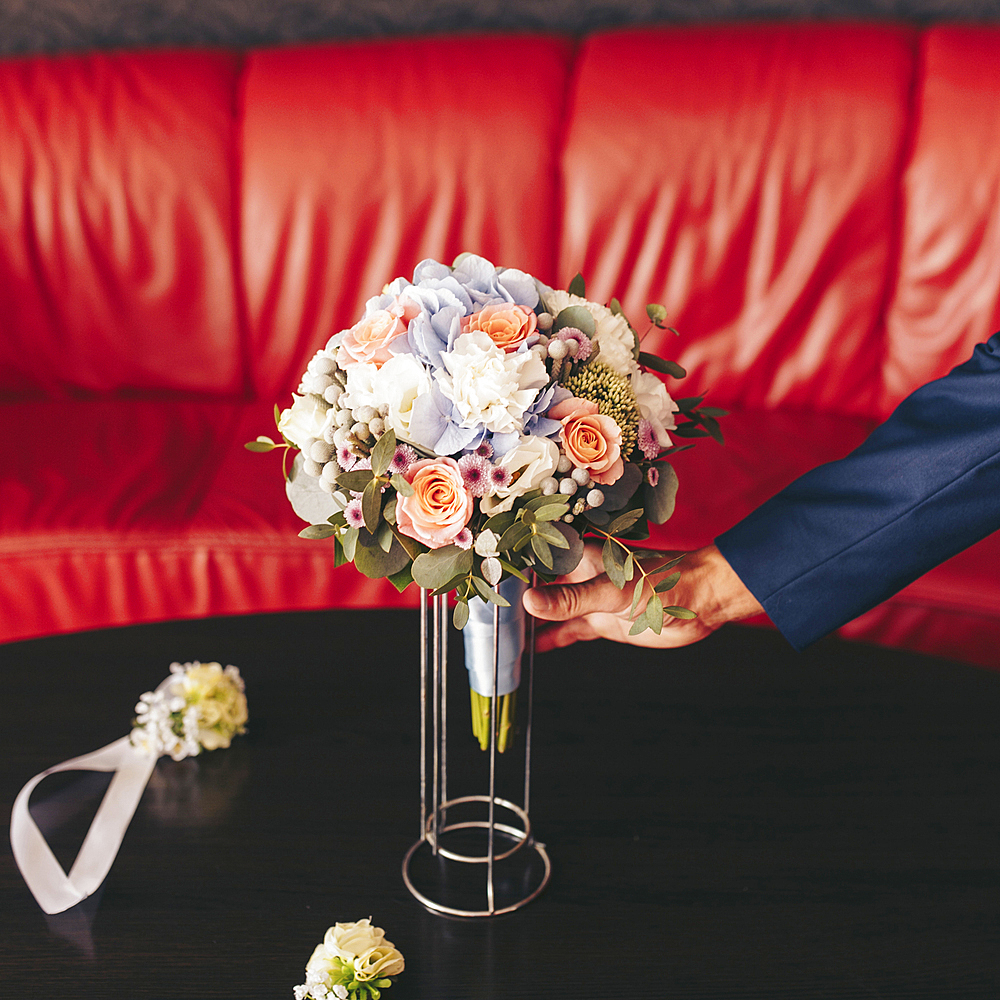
[(587, 605)]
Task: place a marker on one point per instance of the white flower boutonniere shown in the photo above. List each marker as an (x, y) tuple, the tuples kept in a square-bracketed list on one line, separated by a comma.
[(353, 962)]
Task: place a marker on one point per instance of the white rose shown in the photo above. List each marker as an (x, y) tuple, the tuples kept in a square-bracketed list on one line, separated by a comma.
[(529, 462), (397, 384), (360, 389), (489, 387), (385, 960), (350, 940), (655, 405), (305, 418), (613, 333)]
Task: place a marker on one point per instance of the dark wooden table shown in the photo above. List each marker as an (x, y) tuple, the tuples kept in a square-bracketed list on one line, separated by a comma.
[(731, 820)]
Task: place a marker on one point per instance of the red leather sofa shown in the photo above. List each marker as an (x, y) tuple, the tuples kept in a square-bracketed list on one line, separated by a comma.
[(815, 205)]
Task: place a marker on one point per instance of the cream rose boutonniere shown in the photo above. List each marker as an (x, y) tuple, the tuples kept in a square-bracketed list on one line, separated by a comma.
[(353, 962)]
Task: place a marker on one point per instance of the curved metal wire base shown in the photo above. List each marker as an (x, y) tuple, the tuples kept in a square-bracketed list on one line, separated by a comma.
[(434, 801), (519, 836)]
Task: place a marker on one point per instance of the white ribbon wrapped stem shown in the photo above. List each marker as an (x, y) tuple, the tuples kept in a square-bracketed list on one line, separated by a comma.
[(53, 889), (478, 634)]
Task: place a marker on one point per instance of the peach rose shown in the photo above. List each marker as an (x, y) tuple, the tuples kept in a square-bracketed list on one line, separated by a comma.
[(440, 506), (590, 439), (508, 326), (369, 339)]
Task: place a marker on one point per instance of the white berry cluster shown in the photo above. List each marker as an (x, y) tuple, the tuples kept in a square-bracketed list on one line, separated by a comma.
[(570, 479)]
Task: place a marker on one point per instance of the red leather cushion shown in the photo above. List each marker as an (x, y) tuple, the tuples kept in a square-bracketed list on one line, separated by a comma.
[(362, 159), (116, 225), (746, 178), (948, 294)]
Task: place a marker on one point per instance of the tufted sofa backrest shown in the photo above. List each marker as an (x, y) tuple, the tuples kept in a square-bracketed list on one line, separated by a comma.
[(815, 205)]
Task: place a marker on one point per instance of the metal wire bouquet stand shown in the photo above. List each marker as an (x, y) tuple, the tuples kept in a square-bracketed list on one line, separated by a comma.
[(443, 847)]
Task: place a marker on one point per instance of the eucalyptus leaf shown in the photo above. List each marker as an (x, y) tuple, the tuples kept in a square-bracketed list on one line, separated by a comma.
[(514, 571), (499, 523), (434, 568), (512, 536), (667, 583), (566, 560), (542, 500), (350, 542), (578, 317), (551, 534), (410, 545), (355, 481), (371, 505), (402, 579), (401, 486), (384, 536), (339, 559), (487, 593), (636, 595), (628, 568), (382, 453), (658, 364), (654, 613), (599, 517), (305, 496), (389, 510), (656, 313), (262, 444), (616, 307), (618, 494), (318, 531), (613, 558), (639, 625), (685, 613), (373, 562), (551, 511), (624, 521), (541, 549), (662, 498), (578, 286), (461, 614), (492, 570)]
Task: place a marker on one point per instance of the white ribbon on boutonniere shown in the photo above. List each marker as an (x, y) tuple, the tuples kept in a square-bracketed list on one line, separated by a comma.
[(199, 706)]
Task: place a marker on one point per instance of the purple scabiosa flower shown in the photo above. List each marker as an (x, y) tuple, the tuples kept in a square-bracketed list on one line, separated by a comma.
[(647, 442), (583, 344), (464, 539), (485, 450), (475, 474), (499, 477), (652, 476), (402, 459), (352, 512)]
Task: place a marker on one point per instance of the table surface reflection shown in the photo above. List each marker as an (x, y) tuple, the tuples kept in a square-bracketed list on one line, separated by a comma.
[(729, 820)]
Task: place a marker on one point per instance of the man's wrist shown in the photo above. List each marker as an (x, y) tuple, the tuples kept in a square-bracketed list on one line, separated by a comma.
[(721, 595)]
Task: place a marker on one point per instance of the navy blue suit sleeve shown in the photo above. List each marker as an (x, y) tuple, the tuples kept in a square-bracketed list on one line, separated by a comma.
[(847, 535)]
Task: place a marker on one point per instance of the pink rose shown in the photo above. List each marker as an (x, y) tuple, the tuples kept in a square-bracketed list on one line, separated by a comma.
[(590, 439), (507, 326), (440, 507), (368, 340)]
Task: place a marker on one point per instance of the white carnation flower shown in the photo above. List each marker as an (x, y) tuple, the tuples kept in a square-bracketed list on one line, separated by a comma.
[(613, 333), (490, 388), (655, 405)]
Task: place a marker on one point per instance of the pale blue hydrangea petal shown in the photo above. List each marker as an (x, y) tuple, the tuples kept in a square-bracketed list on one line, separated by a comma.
[(519, 286)]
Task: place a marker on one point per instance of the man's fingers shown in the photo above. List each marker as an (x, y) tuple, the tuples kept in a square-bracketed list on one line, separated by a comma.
[(561, 603), (561, 634)]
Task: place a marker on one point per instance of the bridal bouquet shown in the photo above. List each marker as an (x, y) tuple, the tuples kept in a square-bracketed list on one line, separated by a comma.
[(472, 428)]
